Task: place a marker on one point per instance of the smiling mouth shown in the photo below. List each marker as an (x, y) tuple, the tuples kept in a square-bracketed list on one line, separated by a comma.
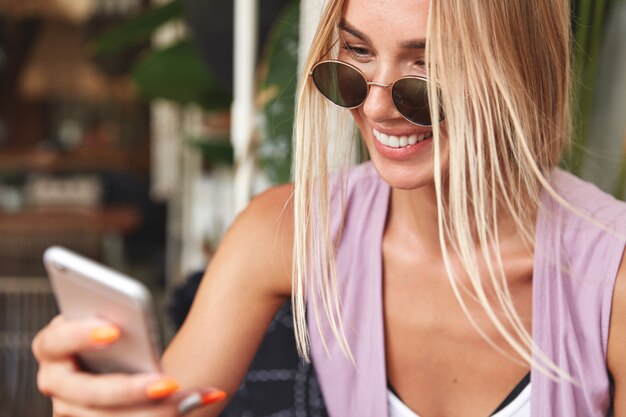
[(400, 141)]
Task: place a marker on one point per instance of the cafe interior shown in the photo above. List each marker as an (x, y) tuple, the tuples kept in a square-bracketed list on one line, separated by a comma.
[(119, 140)]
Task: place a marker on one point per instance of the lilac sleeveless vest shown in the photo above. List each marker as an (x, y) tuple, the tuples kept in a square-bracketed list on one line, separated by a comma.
[(571, 309)]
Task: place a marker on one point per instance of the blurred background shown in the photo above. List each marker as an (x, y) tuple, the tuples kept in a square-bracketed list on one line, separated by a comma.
[(116, 142)]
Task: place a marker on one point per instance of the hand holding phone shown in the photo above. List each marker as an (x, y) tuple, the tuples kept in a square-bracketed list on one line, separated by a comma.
[(84, 288), (124, 366)]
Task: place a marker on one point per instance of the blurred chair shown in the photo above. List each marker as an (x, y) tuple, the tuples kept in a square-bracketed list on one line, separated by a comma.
[(27, 303)]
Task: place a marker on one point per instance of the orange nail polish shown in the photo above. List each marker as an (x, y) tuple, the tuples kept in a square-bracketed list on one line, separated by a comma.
[(161, 389), (213, 397), (105, 335)]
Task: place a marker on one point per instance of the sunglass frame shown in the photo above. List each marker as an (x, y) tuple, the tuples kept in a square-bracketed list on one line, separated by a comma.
[(368, 84)]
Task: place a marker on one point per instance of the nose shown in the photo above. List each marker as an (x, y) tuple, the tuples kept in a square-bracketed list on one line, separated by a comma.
[(378, 105)]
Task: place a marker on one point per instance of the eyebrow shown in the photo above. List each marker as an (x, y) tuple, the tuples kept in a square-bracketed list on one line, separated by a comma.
[(408, 44), (413, 44), (343, 25)]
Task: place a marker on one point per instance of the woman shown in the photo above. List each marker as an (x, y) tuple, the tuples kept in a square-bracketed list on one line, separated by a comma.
[(428, 268)]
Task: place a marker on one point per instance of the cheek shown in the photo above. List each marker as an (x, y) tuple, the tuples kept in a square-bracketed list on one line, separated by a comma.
[(360, 122), (356, 115)]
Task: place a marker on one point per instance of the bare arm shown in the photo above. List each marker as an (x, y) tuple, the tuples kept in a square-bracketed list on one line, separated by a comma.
[(616, 356), (245, 284)]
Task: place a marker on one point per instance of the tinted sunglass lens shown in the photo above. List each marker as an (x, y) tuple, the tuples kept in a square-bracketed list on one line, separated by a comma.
[(410, 96), (340, 83)]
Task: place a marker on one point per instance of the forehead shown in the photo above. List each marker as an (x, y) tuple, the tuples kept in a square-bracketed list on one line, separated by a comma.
[(383, 20)]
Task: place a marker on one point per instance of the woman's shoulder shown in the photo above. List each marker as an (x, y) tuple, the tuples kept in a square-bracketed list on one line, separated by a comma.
[(594, 203), (264, 233), (589, 227), (275, 202), (271, 212)]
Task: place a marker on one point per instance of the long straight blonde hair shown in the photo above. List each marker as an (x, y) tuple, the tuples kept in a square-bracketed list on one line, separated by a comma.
[(502, 73)]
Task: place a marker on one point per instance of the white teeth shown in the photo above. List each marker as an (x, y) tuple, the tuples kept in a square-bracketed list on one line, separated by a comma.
[(425, 136), (400, 141)]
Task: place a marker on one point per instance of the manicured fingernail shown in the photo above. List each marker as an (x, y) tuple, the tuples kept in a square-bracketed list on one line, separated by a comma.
[(196, 400), (161, 389), (213, 397), (105, 335)]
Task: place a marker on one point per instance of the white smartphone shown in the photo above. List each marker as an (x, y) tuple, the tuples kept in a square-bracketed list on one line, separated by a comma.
[(84, 288)]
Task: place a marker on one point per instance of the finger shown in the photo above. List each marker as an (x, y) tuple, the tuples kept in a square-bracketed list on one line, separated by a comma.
[(62, 337), (173, 406), (61, 408), (200, 398), (102, 390), (46, 374), (66, 409)]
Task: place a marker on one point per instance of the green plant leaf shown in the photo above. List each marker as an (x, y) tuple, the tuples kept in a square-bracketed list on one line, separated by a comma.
[(138, 29), (588, 26), (178, 73), (280, 62), (215, 149)]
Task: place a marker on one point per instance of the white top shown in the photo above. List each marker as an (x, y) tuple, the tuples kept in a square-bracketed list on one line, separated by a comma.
[(519, 407)]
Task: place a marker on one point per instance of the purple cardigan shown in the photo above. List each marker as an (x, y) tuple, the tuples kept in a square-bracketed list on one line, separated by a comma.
[(570, 315)]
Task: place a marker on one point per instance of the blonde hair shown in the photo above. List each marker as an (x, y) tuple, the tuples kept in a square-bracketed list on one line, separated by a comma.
[(502, 71)]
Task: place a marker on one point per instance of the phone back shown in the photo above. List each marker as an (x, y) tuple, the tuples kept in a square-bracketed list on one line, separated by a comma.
[(84, 288)]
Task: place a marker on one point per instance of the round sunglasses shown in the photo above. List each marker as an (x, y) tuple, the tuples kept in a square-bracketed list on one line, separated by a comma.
[(346, 86)]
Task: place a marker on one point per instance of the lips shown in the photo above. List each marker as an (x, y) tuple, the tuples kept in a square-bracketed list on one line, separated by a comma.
[(393, 141)]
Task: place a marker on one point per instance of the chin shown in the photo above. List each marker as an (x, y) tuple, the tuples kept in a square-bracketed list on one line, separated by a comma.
[(405, 176)]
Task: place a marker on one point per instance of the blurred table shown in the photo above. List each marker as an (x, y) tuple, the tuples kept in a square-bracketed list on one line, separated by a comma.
[(112, 219), (95, 232)]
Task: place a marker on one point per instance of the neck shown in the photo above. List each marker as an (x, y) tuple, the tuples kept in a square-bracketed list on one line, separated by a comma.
[(413, 214)]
